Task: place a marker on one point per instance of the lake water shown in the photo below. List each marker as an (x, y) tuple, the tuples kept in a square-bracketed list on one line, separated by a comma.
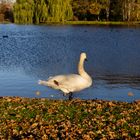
[(29, 53)]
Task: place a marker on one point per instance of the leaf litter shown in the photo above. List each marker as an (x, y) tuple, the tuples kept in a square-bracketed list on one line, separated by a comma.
[(31, 119)]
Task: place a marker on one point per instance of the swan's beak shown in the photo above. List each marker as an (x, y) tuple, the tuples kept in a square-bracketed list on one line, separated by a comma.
[(86, 59)]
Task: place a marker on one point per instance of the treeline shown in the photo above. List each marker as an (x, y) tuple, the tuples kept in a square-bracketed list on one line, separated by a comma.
[(106, 10), (125, 10), (42, 11)]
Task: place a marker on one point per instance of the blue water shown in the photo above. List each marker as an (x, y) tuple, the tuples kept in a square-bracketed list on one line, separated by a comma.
[(30, 53)]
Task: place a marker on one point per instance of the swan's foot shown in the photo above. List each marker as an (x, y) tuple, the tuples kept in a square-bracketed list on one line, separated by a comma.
[(70, 96)]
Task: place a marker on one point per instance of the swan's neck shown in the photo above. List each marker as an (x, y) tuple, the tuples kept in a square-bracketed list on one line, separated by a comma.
[(82, 71)]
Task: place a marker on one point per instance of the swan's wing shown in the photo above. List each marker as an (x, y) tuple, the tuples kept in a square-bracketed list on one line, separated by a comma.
[(71, 83), (62, 79), (55, 81), (76, 83)]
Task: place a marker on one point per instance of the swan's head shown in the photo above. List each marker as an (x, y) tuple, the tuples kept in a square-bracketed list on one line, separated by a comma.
[(83, 56)]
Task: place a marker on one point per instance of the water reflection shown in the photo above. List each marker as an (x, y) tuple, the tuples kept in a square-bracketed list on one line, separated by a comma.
[(121, 80), (37, 52)]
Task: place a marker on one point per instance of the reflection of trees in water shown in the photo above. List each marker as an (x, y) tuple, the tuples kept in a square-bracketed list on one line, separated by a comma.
[(132, 80)]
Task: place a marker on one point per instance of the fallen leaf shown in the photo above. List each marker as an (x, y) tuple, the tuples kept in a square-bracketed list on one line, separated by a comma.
[(34, 125), (130, 94), (38, 93)]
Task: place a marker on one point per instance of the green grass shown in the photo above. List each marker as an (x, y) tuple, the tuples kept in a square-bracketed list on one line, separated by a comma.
[(93, 23), (88, 23), (100, 23)]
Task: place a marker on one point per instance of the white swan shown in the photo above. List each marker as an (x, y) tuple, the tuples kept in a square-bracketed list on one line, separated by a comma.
[(72, 82)]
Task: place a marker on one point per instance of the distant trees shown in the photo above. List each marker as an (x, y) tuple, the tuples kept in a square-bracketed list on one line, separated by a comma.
[(23, 11), (125, 10), (42, 11), (59, 10), (86, 9), (2, 11), (115, 10), (105, 9), (38, 11), (91, 9), (6, 13), (131, 10)]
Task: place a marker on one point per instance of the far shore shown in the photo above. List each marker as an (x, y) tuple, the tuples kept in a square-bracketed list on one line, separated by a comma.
[(102, 23), (132, 23)]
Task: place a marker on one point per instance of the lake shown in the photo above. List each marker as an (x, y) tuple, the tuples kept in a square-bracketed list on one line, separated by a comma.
[(32, 52)]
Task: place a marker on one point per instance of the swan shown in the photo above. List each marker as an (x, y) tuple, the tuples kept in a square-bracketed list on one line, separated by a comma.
[(72, 82)]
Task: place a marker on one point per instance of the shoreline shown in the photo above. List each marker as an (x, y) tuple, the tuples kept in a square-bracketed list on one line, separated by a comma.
[(42, 118), (67, 100), (101, 23), (105, 23)]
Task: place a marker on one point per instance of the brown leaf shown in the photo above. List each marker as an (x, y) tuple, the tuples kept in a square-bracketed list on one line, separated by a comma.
[(130, 94), (34, 125)]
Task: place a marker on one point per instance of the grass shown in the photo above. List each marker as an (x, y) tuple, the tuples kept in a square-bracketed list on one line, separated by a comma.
[(88, 23), (93, 23), (101, 23), (24, 118)]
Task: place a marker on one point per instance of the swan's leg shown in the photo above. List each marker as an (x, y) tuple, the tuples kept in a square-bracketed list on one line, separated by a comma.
[(70, 96), (64, 94)]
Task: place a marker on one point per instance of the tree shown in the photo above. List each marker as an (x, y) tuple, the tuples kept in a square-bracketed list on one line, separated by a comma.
[(105, 6), (86, 9), (115, 10), (40, 11), (93, 11), (59, 10), (24, 11), (6, 13), (131, 10)]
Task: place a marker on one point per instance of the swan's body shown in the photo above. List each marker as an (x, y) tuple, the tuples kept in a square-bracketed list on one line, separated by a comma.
[(72, 82), (67, 83)]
